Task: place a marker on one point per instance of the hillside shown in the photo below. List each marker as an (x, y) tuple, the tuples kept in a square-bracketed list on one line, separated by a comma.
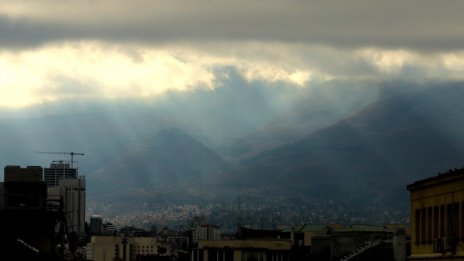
[(170, 157), (315, 109), (400, 138)]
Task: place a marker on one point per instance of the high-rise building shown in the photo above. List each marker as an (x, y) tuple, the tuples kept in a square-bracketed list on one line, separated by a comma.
[(96, 225), (71, 192), (67, 186), (27, 221), (23, 188), (58, 170)]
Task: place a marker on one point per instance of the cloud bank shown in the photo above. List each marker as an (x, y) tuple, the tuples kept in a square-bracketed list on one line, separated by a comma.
[(116, 49), (414, 24)]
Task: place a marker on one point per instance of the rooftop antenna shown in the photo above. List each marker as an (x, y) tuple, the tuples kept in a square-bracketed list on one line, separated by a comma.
[(72, 154)]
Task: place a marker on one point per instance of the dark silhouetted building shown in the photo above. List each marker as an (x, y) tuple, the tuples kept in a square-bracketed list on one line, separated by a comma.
[(27, 221), (236, 250), (96, 226)]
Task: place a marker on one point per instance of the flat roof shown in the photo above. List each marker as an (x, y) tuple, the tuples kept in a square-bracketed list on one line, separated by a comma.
[(449, 176)]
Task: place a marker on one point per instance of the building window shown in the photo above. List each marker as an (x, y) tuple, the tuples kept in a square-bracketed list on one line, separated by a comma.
[(423, 225), (452, 220), (462, 221), (429, 225), (417, 223), (442, 221), (436, 222)]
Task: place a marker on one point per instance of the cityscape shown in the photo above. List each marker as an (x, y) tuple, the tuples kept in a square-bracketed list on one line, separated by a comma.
[(231, 130), (43, 217)]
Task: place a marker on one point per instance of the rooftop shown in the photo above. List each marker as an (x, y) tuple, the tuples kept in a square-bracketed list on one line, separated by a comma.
[(363, 228), (449, 176)]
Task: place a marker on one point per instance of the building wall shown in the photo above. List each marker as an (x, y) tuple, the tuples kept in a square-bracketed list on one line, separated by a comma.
[(58, 171), (106, 248), (308, 237), (23, 188), (95, 225), (242, 250), (437, 219), (205, 232), (341, 245), (27, 227), (18, 174), (73, 193)]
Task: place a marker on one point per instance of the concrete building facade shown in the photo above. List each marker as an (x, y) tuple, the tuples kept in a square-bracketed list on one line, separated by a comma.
[(72, 193), (57, 171), (205, 232), (66, 186), (242, 250), (437, 217), (109, 248)]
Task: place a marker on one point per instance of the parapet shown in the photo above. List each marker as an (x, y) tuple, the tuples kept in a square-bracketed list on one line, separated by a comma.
[(18, 174)]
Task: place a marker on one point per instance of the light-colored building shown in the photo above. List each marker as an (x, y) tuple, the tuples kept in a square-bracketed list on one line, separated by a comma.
[(437, 217), (303, 235), (109, 248), (67, 187), (242, 250), (71, 191), (205, 232)]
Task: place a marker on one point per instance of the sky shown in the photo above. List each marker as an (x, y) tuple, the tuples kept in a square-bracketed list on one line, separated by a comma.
[(116, 49)]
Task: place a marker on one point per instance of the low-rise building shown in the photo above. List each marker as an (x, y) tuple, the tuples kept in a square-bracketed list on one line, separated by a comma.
[(303, 235), (109, 248), (205, 232), (237, 250), (437, 217), (349, 240)]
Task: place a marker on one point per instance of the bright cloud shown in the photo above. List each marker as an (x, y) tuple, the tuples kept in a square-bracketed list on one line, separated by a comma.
[(93, 69), (388, 61), (55, 49), (97, 69), (454, 61)]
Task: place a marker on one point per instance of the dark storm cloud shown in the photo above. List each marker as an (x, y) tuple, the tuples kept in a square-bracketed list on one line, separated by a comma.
[(429, 25), (20, 34)]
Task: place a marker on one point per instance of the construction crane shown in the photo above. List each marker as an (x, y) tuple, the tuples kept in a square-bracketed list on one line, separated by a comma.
[(72, 154)]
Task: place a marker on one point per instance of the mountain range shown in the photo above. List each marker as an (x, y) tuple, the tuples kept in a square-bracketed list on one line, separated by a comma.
[(359, 144), (391, 142)]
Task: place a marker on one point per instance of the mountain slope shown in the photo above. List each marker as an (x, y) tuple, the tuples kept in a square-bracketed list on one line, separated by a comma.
[(315, 109), (170, 157), (400, 138)]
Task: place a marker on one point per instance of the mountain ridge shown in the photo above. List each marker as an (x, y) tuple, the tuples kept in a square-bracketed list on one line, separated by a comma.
[(390, 138)]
